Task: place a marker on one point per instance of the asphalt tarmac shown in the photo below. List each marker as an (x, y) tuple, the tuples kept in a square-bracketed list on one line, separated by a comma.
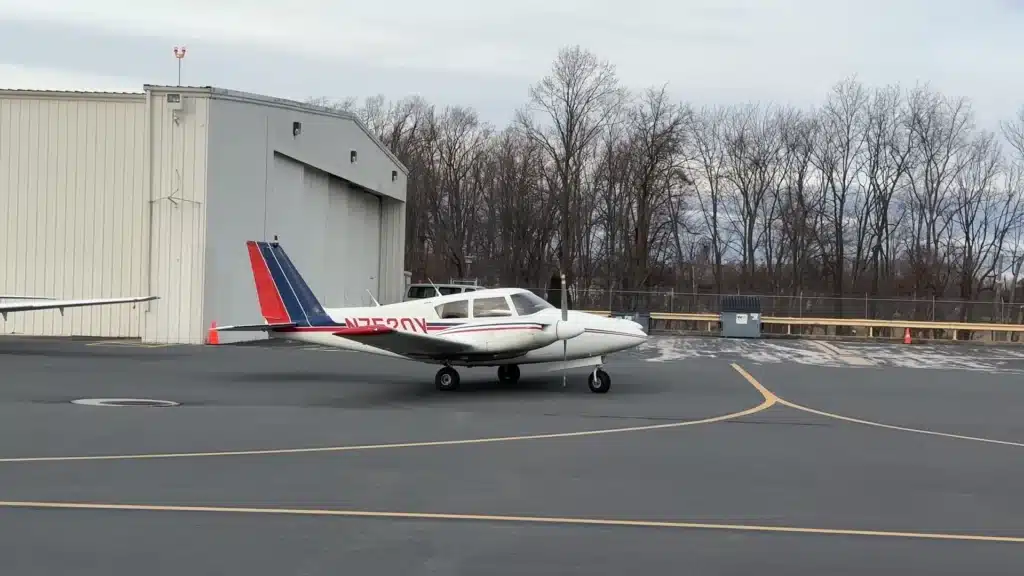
[(708, 456)]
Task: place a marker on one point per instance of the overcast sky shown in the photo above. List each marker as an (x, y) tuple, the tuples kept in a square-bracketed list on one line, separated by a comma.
[(486, 54)]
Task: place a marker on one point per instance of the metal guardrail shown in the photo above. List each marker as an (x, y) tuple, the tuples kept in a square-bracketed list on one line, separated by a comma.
[(954, 328)]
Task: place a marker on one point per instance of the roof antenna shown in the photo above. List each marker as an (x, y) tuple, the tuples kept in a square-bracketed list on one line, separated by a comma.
[(434, 285), (372, 298)]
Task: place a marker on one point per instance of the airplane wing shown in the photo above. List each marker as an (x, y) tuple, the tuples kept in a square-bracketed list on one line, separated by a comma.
[(24, 305), (406, 343)]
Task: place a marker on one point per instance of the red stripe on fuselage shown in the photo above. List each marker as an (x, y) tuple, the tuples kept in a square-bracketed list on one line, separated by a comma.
[(363, 330), (271, 306)]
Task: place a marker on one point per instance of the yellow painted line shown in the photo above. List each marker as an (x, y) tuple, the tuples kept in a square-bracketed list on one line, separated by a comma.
[(769, 401), (513, 519), (795, 406), (766, 393)]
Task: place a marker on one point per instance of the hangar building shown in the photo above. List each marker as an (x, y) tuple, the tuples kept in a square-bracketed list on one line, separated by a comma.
[(155, 193)]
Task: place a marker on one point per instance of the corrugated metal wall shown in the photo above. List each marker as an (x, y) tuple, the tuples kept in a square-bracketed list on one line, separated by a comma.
[(177, 161), (107, 195), (392, 251), (265, 181), (74, 204)]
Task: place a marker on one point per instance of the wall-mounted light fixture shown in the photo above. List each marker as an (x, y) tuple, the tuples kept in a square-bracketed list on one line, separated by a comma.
[(394, 175), (296, 128), (352, 156)]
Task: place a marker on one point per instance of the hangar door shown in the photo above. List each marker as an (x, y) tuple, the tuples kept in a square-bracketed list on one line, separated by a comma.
[(353, 246)]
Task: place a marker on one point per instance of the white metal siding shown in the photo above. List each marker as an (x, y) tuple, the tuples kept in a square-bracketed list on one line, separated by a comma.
[(325, 143), (354, 225), (392, 251), (330, 231), (296, 210), (177, 227), (241, 159), (261, 184), (111, 195), (73, 196)]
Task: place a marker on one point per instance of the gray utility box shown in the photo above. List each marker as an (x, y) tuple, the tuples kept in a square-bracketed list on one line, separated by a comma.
[(741, 316)]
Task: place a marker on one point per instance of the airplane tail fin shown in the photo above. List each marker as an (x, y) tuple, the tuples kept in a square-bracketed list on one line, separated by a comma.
[(284, 296)]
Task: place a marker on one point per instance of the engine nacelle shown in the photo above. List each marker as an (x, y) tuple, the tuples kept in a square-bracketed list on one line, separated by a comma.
[(566, 329)]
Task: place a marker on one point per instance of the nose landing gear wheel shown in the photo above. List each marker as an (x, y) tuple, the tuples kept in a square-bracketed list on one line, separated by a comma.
[(447, 379), (508, 373), (599, 381)]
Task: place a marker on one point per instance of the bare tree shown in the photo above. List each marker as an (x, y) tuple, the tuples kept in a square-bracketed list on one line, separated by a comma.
[(656, 139), (1013, 131), (888, 149), (800, 212), (887, 191), (579, 99), (940, 129), (707, 156), (983, 215), (460, 148), (838, 157), (753, 155)]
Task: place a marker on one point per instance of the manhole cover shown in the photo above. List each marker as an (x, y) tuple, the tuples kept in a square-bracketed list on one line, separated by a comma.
[(124, 402)]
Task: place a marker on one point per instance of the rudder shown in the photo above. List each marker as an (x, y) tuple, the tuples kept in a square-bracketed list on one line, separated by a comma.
[(297, 297), (271, 301)]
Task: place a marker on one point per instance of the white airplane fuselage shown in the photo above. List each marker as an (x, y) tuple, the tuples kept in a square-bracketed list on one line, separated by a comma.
[(602, 335)]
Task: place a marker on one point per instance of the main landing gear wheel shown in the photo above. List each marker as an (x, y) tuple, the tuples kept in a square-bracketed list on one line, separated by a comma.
[(447, 379), (599, 381), (508, 373)]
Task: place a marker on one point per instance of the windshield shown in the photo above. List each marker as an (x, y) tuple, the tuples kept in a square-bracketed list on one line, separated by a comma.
[(529, 303)]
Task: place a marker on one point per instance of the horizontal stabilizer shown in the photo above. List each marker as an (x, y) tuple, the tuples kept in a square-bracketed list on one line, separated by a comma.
[(254, 327), (405, 343)]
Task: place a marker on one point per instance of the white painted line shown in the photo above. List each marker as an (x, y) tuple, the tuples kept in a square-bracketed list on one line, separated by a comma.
[(831, 350), (844, 356)]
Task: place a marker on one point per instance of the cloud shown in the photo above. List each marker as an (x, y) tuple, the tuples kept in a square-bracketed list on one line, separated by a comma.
[(22, 77), (486, 54)]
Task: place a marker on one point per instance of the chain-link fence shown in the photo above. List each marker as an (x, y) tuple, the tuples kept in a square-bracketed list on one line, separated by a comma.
[(805, 306)]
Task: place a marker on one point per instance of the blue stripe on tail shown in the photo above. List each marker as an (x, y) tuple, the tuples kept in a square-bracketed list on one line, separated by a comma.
[(301, 303), (291, 303)]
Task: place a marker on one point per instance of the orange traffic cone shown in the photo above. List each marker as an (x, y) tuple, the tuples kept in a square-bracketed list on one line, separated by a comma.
[(212, 336), (906, 336)]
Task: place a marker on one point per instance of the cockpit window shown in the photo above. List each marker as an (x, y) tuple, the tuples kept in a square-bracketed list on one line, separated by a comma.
[(496, 306), (529, 303), (454, 309)]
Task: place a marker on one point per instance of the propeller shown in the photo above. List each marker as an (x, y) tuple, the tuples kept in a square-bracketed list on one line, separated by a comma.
[(564, 329), (565, 318)]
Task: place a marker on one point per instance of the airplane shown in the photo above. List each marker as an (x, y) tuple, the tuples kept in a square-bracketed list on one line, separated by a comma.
[(30, 303), (502, 327)]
